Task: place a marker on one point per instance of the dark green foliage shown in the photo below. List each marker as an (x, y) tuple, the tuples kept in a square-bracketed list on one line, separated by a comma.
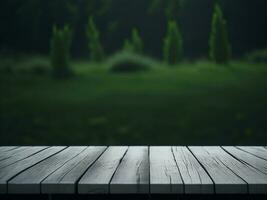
[(173, 44), (258, 56), (129, 62), (94, 44), (135, 44), (220, 49), (60, 52)]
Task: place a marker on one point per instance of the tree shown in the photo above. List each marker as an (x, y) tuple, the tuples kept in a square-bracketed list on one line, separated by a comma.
[(171, 8), (220, 48), (94, 44), (135, 44), (60, 52), (173, 44)]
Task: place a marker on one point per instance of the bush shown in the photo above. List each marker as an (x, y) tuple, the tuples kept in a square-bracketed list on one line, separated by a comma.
[(126, 62), (258, 56), (173, 44), (220, 48), (60, 52), (94, 44), (135, 44)]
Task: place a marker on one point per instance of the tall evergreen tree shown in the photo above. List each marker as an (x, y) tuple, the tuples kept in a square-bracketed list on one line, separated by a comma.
[(220, 48), (173, 44), (60, 52), (94, 44), (135, 44)]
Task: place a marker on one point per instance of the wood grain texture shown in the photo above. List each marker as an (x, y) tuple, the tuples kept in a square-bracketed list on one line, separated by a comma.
[(12, 152), (11, 171), (260, 152), (20, 156), (248, 158), (225, 180), (257, 181), (132, 175), (97, 178), (195, 178), (7, 148), (28, 182), (64, 180), (165, 177)]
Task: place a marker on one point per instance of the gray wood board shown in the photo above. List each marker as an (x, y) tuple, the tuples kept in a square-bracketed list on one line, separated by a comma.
[(132, 174), (97, 178), (21, 155), (28, 182), (260, 152), (165, 177), (11, 171), (195, 178), (7, 148), (225, 180), (8, 154), (248, 158), (255, 179), (64, 180)]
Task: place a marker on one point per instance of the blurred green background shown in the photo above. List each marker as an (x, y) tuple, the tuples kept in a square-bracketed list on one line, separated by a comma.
[(137, 72)]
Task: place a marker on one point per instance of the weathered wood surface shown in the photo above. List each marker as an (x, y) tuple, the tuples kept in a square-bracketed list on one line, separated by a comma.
[(97, 178), (133, 170), (164, 173), (132, 175), (195, 178)]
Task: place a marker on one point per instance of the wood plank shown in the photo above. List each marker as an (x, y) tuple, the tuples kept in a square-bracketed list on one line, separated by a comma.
[(28, 182), (21, 155), (260, 152), (195, 178), (11, 171), (7, 148), (248, 158), (132, 175), (97, 178), (63, 180), (8, 154), (165, 177), (257, 181), (225, 180)]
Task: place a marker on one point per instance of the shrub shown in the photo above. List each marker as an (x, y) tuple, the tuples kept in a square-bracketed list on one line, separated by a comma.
[(60, 52), (173, 44), (126, 62), (258, 56), (94, 44), (135, 44), (220, 49)]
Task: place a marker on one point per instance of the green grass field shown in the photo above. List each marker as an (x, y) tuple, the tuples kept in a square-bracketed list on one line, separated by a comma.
[(196, 104)]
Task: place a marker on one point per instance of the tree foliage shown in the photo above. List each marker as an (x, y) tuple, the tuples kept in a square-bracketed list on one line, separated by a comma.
[(135, 44), (60, 52), (94, 44), (220, 48), (173, 44)]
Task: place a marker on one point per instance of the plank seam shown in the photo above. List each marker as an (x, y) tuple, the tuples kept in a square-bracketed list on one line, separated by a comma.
[(32, 166), (242, 161), (178, 169), (250, 153), (40, 184), (247, 185), (26, 157), (117, 169), (78, 180), (213, 183)]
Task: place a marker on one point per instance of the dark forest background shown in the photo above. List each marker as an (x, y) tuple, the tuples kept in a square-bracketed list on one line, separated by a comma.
[(27, 25)]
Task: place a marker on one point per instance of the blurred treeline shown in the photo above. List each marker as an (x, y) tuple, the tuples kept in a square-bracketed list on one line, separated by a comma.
[(26, 26)]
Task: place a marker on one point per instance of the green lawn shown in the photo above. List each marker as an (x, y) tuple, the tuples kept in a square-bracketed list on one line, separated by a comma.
[(196, 104)]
